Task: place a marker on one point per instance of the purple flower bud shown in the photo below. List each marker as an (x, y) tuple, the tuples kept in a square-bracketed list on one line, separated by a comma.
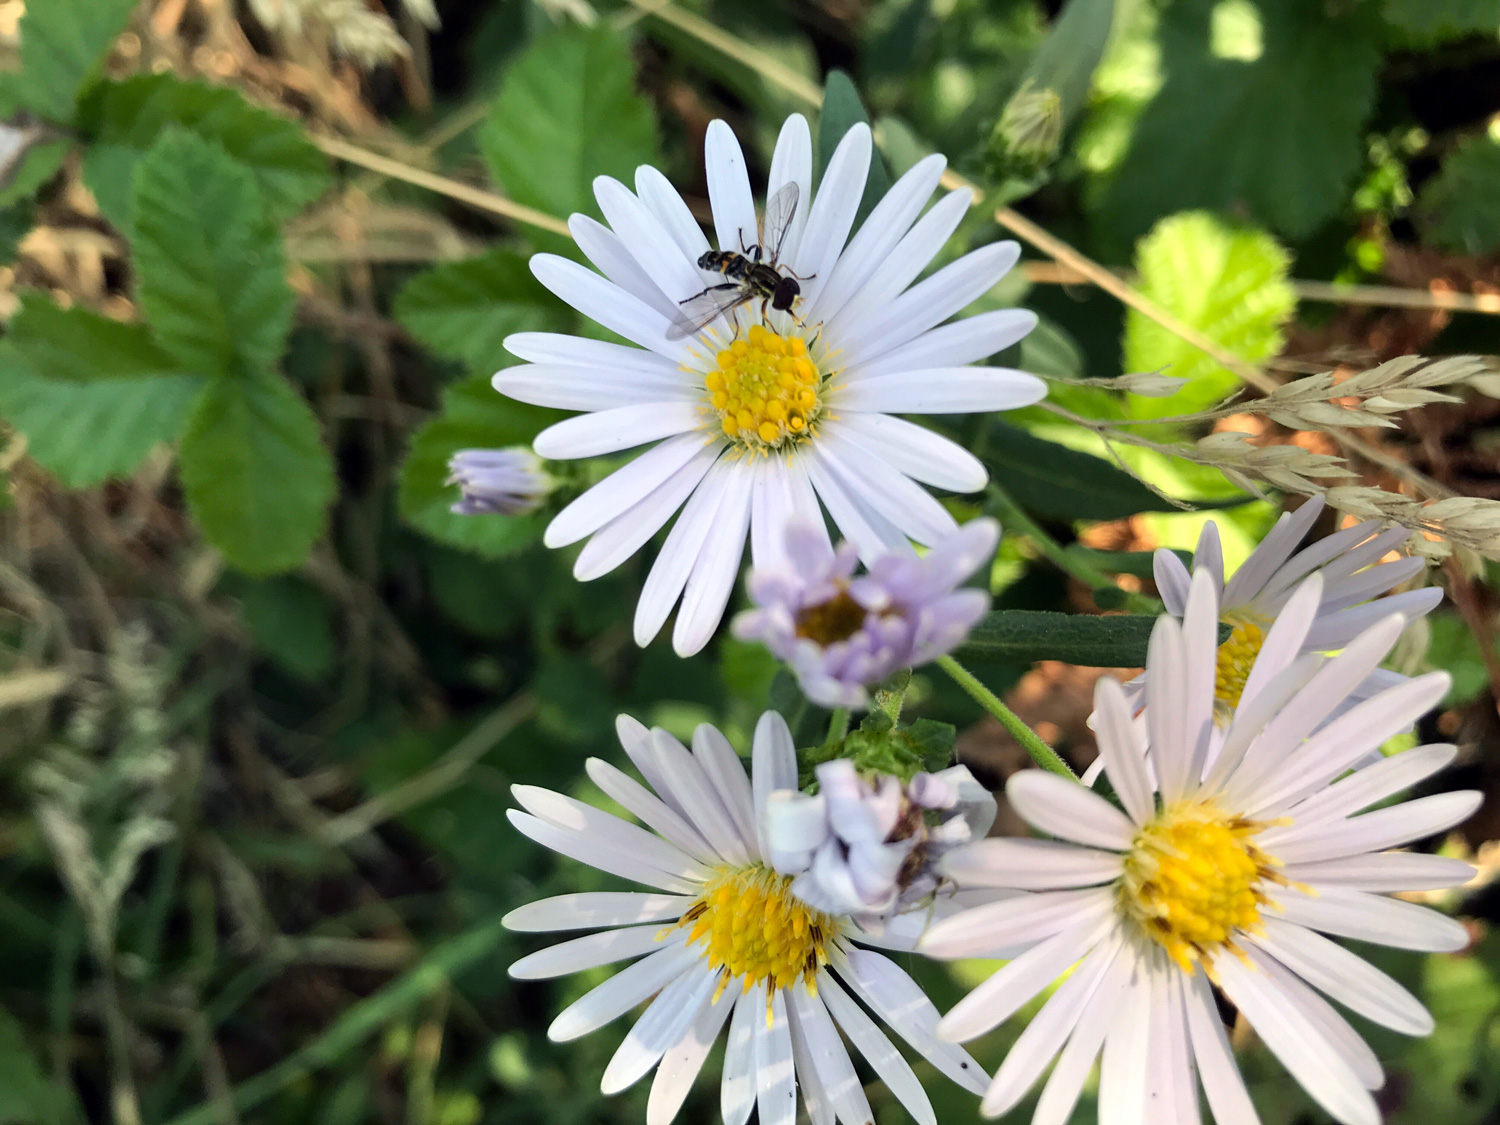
[(507, 482)]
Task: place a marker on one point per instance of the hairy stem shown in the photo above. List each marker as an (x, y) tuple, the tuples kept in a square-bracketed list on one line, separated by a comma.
[(1042, 754)]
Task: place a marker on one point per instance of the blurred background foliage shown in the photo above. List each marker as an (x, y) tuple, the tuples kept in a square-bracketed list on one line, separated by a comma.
[(263, 693)]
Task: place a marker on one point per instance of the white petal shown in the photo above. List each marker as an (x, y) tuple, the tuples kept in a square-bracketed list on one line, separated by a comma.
[(1375, 831), (1060, 1095), (698, 796), (877, 1049), (1335, 630), (1123, 1069), (1222, 1083), (1333, 1027), (1273, 551), (963, 342), (1172, 579), (624, 488), (885, 489), (773, 766), (647, 240), (890, 219), (919, 453), (628, 531), (678, 554), (1171, 745), (826, 1053), (1345, 976), (590, 388), (833, 211), (588, 952), (1367, 917), (1375, 783), (607, 830), (1121, 751), (887, 991), (1029, 865), (1200, 643), (1209, 554), (604, 853), (1048, 1030), (864, 311), (943, 390), (718, 565), (1302, 1050), (605, 302), (775, 1074), (604, 249), (873, 537), (815, 1099), (646, 807), (791, 163), (589, 909), (727, 773), (621, 992), (665, 1021), (1384, 872), (657, 193), (982, 931), (623, 427), (728, 188), (1067, 810), (737, 1087), (931, 301), (1284, 641), (1016, 983), (580, 351), (1357, 588), (681, 1063)]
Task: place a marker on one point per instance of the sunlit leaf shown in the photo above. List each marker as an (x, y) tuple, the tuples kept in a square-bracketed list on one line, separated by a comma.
[(62, 43)]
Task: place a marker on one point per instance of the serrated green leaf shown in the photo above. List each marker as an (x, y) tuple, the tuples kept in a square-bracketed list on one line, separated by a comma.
[(474, 416), (841, 111), (257, 476), (466, 309), (62, 42), (125, 119), (1443, 18), (92, 396), (292, 623), (567, 112), (212, 273), (1061, 483), (1231, 283), (1261, 113), (1460, 206), (38, 164), (1025, 636)]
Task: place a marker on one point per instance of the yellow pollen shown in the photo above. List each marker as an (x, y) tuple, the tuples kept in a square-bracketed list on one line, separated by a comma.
[(1236, 658), (765, 389), (751, 925), (1193, 878)]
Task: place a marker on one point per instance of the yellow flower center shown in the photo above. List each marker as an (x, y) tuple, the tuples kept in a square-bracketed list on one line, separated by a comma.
[(1193, 878), (1236, 658), (765, 389), (751, 925), (837, 619)]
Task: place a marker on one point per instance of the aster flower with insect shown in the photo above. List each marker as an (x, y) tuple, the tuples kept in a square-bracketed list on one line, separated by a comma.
[(1224, 872), (774, 407), (720, 938), (843, 634)]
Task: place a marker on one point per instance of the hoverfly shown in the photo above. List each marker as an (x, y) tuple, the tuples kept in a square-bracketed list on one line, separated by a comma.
[(753, 273)]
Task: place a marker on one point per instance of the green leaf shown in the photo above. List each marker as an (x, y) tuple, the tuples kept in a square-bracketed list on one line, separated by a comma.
[(568, 111), (1460, 206), (16, 222), (257, 476), (1024, 636), (292, 623), (212, 274), (37, 164), (62, 42), (466, 309), (125, 119), (1444, 18), (26, 1095), (1139, 563), (841, 111), (93, 396), (474, 416), (1261, 113), (1231, 283), (1454, 649), (1061, 483)]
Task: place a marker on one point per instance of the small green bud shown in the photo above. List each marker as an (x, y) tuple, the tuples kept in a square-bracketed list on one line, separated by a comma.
[(1027, 136)]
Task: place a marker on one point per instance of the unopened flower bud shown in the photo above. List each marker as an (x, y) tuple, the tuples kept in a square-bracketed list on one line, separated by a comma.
[(507, 482)]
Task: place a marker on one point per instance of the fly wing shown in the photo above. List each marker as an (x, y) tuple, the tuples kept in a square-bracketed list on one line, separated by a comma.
[(779, 211), (703, 309)]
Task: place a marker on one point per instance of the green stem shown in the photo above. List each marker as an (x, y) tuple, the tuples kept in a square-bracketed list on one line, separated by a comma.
[(1015, 521), (838, 726), (1042, 754)]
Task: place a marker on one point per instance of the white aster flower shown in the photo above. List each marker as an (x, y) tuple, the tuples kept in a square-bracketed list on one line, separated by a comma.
[(1227, 872), (758, 420), (735, 941), (1355, 585)]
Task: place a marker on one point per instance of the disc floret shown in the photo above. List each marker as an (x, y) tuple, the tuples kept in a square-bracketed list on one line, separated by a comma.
[(766, 389), (1236, 657)]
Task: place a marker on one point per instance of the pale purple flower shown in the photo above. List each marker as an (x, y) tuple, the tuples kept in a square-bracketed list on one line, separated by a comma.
[(840, 633), (506, 482), (864, 846)]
